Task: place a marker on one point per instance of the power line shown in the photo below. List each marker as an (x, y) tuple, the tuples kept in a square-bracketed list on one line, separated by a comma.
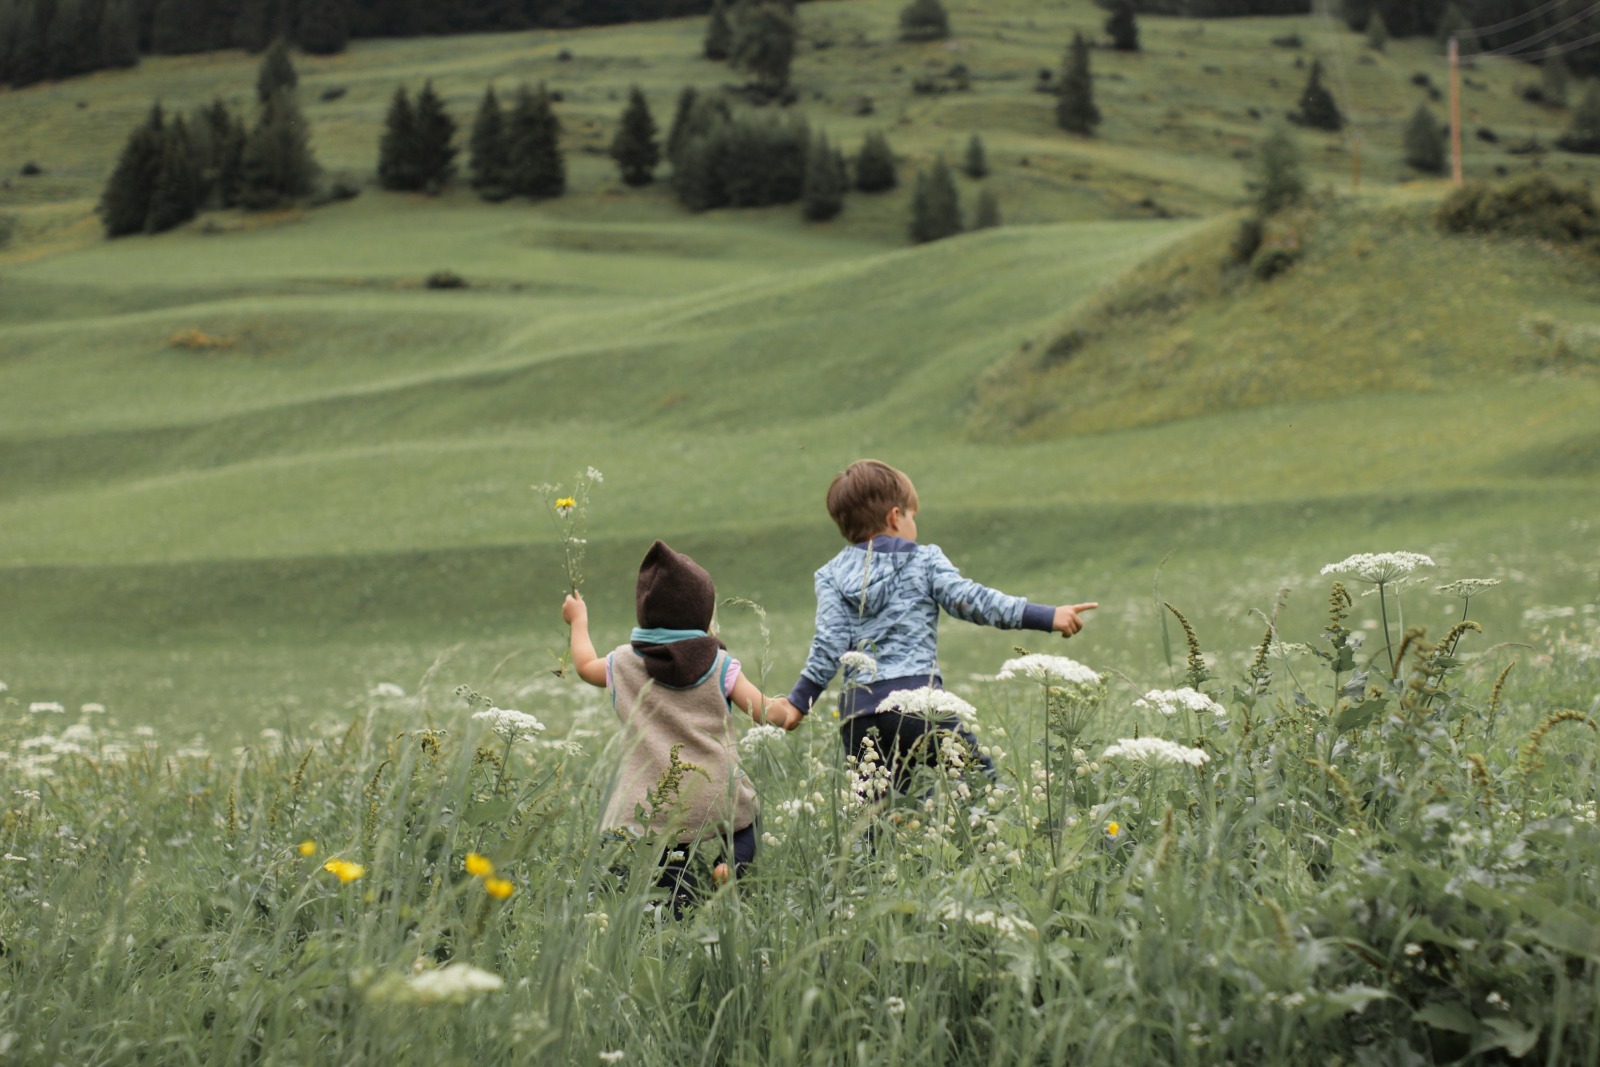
[(1543, 53), (1482, 31), (1544, 34)]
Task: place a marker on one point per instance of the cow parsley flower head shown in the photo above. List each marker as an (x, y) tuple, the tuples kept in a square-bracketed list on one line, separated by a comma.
[(454, 983), (46, 707), (1172, 701), (1378, 568), (927, 702), (759, 736), (1049, 670), (386, 691), (511, 725), (1156, 752), (1467, 588), (859, 663)]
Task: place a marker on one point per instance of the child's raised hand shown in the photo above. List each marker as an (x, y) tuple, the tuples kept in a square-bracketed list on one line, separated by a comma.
[(574, 610), (1068, 620)]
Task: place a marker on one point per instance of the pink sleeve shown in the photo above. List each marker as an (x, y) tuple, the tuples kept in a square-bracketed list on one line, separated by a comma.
[(731, 677)]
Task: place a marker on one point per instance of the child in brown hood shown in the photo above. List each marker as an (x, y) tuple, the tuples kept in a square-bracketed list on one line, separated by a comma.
[(674, 687)]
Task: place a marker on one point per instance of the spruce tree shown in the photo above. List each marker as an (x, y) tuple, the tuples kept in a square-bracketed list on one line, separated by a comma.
[(125, 202), (680, 121), (719, 34), (935, 205), (399, 166), (1123, 26), (434, 147), (986, 216), (924, 20), (1317, 106), (1424, 142), (490, 158), (119, 34), (1276, 178), (634, 147), (1553, 79), (764, 45), (30, 52), (224, 138), (875, 167), (175, 27), (823, 194), (1075, 109), (1452, 23), (1377, 32), (69, 41), (976, 164), (537, 167), (275, 72), (324, 27), (1583, 130), (277, 165), (178, 190)]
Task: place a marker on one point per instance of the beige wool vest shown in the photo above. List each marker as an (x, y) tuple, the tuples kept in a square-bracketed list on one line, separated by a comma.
[(717, 797)]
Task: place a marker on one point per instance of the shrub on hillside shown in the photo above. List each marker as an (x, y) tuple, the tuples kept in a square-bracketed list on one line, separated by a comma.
[(1583, 133), (1276, 178), (924, 20), (634, 147), (1317, 106), (875, 167), (1122, 26), (935, 205), (727, 160), (1425, 142), (1536, 206)]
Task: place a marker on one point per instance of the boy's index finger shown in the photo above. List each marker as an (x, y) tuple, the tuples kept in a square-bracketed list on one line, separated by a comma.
[(1086, 607)]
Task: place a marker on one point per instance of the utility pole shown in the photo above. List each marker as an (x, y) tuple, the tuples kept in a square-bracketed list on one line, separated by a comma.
[(1455, 110)]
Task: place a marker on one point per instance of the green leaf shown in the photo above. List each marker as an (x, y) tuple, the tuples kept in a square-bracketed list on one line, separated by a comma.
[(1355, 998), (1344, 659), (1358, 715), (492, 811), (1568, 931), (1516, 1037), (1449, 1015)]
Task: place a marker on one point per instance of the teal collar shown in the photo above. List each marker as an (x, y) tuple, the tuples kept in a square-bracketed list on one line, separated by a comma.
[(660, 635)]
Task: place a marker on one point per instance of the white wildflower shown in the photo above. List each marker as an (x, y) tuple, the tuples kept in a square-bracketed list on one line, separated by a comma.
[(1152, 751), (4, 688), (895, 1005), (1379, 567), (511, 725), (597, 478), (758, 736), (1496, 1000), (1048, 669), (93, 709), (46, 707), (927, 702), (859, 663), (386, 691), (1413, 949), (454, 983), (1467, 587), (1172, 701)]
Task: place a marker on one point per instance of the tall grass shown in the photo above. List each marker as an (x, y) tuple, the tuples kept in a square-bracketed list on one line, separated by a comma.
[(1351, 862)]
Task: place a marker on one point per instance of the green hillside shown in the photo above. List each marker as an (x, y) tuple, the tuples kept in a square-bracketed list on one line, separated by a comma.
[(251, 467)]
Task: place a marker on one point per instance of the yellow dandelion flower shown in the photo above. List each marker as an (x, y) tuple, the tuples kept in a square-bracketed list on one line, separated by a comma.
[(565, 505), (344, 870), (308, 847), (499, 888), (1113, 829), (479, 866)]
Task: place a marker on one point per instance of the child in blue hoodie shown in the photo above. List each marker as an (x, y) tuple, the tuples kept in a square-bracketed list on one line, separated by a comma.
[(881, 595)]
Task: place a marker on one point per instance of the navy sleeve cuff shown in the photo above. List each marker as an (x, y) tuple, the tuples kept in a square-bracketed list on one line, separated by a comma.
[(1038, 617), (805, 693)]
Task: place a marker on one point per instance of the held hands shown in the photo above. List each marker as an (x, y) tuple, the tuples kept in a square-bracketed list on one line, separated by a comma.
[(1069, 619), (575, 612), (782, 713)]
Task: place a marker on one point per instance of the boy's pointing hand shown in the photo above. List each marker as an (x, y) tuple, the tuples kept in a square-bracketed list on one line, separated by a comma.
[(1069, 620)]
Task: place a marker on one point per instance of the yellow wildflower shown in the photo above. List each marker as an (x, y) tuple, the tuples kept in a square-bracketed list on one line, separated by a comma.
[(499, 888), (1113, 829), (345, 870), (479, 866), (565, 505), (308, 847)]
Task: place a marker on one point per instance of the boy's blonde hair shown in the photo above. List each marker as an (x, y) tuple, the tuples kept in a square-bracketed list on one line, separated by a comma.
[(861, 498)]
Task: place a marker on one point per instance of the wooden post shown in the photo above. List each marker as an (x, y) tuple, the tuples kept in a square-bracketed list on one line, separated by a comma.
[(1455, 111)]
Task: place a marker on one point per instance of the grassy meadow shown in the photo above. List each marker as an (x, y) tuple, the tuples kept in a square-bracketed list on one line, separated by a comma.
[(266, 501)]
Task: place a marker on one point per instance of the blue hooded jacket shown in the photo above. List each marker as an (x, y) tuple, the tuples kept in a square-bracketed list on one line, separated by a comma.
[(882, 598)]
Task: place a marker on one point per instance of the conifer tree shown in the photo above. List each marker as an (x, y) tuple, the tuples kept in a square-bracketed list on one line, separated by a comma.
[(935, 205), (719, 34), (119, 34), (125, 202), (764, 44), (220, 138), (1424, 142), (986, 216), (324, 27), (277, 165), (1452, 23), (1276, 178), (275, 72), (1317, 106), (1123, 26), (924, 20), (69, 41), (875, 167), (30, 52), (399, 167), (537, 167), (489, 158), (175, 27), (1075, 108), (823, 193), (1553, 79), (680, 121), (1583, 130), (177, 192), (634, 147), (976, 164), (434, 147), (1377, 32)]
